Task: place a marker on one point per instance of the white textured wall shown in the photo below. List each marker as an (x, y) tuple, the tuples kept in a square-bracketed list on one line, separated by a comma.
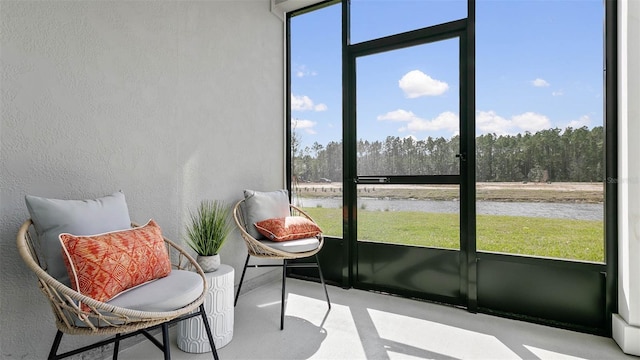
[(169, 101)]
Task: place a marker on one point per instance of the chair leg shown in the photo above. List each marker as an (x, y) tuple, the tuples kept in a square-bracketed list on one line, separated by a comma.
[(207, 327), (55, 345), (241, 279), (284, 286), (326, 293), (165, 342), (116, 347)]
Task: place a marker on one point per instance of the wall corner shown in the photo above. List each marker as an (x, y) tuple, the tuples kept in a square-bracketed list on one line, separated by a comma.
[(277, 10)]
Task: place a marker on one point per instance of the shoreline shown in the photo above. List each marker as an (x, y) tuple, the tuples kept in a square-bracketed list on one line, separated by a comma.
[(573, 192)]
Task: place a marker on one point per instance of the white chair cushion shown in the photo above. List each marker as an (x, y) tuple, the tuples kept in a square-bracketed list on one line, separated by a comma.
[(51, 217), (169, 293), (294, 246), (260, 206)]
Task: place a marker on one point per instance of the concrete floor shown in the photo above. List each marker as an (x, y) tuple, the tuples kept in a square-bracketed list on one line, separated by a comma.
[(364, 325)]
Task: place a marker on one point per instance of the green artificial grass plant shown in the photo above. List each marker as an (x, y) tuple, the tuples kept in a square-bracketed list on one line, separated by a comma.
[(209, 227)]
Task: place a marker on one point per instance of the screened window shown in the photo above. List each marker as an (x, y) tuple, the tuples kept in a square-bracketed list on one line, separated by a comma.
[(316, 116), (539, 125)]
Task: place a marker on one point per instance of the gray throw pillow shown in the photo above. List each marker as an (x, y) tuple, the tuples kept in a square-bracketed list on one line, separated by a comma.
[(260, 206), (51, 217)]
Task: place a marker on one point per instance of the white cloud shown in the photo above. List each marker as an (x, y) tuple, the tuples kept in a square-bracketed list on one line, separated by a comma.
[(490, 122), (486, 122), (540, 83), (531, 121), (415, 83), (320, 107), (304, 125), (557, 93), (445, 121), (398, 115), (584, 120), (303, 103), (302, 71)]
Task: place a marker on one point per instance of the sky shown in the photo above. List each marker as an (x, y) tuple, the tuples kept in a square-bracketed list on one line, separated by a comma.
[(538, 66)]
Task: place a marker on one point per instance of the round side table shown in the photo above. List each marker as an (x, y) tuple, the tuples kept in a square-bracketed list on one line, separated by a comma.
[(192, 337)]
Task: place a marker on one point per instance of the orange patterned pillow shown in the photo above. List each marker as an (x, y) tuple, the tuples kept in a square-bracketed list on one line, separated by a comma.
[(288, 228), (104, 265)]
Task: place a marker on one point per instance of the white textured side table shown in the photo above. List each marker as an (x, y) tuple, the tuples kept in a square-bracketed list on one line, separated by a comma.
[(192, 337)]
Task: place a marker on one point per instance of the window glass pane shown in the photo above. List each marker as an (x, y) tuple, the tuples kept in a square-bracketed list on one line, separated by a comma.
[(415, 215), (316, 111), (407, 105), (539, 124), (372, 19)]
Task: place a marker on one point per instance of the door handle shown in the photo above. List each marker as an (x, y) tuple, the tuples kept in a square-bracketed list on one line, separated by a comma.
[(372, 179)]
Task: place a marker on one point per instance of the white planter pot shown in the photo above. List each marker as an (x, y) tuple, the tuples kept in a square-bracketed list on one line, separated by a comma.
[(209, 263)]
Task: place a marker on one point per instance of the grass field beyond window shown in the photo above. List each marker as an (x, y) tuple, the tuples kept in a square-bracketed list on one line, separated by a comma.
[(556, 238)]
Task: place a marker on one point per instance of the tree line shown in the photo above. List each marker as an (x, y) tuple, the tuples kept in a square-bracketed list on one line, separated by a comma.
[(575, 155)]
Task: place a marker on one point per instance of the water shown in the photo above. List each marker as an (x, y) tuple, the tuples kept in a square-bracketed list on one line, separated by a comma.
[(529, 209)]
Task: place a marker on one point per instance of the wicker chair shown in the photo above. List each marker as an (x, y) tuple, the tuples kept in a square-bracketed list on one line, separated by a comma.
[(260, 249), (104, 318)]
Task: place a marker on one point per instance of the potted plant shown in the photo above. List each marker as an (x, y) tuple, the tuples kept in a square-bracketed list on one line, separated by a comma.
[(207, 231)]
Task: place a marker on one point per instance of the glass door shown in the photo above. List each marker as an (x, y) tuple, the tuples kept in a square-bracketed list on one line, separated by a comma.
[(407, 123), (407, 153)]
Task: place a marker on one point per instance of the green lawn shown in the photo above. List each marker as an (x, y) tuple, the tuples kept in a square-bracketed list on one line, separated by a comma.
[(557, 238)]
